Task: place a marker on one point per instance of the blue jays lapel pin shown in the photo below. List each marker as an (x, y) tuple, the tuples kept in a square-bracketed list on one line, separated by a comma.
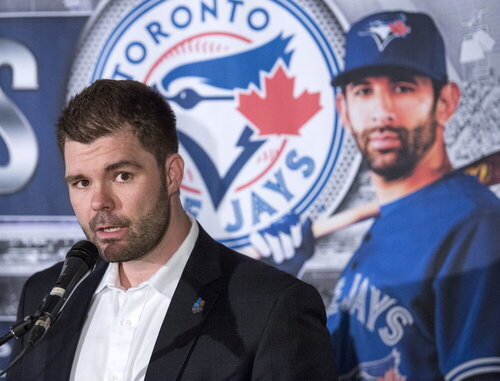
[(198, 305)]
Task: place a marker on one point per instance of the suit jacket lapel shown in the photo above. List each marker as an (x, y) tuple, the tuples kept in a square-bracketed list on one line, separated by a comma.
[(183, 321), (62, 338)]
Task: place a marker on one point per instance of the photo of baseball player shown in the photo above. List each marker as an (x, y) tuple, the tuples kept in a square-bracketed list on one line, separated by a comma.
[(417, 299)]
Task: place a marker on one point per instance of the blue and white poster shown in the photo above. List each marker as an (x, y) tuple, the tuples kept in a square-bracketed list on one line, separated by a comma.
[(250, 83)]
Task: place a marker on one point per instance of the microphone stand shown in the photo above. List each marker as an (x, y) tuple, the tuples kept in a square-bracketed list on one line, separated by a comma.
[(19, 329), (79, 263)]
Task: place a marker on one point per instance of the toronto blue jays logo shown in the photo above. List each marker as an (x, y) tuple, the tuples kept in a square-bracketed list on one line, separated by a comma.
[(198, 306), (216, 73), (249, 83), (385, 369), (383, 32)]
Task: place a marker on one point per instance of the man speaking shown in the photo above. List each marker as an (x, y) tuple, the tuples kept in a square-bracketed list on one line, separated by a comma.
[(165, 302)]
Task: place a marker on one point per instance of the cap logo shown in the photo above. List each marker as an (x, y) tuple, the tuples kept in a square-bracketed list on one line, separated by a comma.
[(383, 32)]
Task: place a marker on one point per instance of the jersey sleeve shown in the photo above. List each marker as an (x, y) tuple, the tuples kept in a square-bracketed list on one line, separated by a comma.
[(467, 300)]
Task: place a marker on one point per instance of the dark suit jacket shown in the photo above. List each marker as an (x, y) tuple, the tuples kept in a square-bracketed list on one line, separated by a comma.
[(258, 323)]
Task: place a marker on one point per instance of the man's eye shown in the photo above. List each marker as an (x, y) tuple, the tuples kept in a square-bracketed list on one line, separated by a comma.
[(82, 183), (362, 91), (123, 177), (403, 89)]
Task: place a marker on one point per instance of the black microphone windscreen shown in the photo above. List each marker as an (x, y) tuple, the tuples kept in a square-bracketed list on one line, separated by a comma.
[(86, 251)]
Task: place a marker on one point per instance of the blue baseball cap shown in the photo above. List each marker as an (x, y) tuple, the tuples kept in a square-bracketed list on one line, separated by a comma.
[(393, 40)]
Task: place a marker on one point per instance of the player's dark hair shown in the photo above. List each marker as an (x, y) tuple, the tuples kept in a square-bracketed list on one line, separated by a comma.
[(110, 106), (437, 86)]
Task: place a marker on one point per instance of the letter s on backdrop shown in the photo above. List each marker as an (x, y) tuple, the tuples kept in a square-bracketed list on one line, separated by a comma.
[(15, 129)]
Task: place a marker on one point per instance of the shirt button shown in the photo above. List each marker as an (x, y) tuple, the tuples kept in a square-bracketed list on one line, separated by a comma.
[(126, 323), (113, 377)]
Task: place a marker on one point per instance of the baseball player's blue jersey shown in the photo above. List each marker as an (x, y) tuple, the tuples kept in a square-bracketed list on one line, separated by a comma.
[(420, 299)]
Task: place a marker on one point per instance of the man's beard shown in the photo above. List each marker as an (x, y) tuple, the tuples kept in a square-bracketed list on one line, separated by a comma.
[(398, 163), (143, 235)]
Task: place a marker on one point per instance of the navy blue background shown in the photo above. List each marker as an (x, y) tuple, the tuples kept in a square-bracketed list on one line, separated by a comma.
[(46, 192)]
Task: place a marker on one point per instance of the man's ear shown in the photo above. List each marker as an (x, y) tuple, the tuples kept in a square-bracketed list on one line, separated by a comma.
[(174, 170), (341, 103), (447, 104)]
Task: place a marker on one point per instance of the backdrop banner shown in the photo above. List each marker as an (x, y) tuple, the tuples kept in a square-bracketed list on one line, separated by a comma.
[(267, 160)]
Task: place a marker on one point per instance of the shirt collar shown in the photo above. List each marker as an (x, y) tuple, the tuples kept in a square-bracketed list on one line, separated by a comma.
[(166, 278)]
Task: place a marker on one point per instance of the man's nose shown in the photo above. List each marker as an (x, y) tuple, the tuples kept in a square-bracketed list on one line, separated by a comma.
[(102, 199), (382, 113)]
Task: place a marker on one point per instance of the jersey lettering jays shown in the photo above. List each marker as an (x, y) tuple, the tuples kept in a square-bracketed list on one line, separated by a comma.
[(381, 316), (372, 308)]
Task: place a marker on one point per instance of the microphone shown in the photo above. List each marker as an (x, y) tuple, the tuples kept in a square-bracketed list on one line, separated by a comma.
[(79, 263)]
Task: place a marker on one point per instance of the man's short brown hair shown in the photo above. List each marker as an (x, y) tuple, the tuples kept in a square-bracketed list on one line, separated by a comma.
[(109, 106)]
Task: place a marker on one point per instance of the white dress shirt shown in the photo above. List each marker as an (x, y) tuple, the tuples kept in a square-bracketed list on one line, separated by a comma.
[(122, 326)]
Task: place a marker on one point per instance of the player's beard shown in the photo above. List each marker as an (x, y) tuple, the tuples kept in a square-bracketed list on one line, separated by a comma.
[(143, 234), (398, 163)]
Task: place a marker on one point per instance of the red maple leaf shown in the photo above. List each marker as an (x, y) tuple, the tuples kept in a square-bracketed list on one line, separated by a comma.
[(279, 112), (391, 375), (400, 28)]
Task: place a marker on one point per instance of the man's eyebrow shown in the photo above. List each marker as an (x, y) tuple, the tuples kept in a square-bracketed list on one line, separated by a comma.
[(109, 168), (121, 164), (72, 178)]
